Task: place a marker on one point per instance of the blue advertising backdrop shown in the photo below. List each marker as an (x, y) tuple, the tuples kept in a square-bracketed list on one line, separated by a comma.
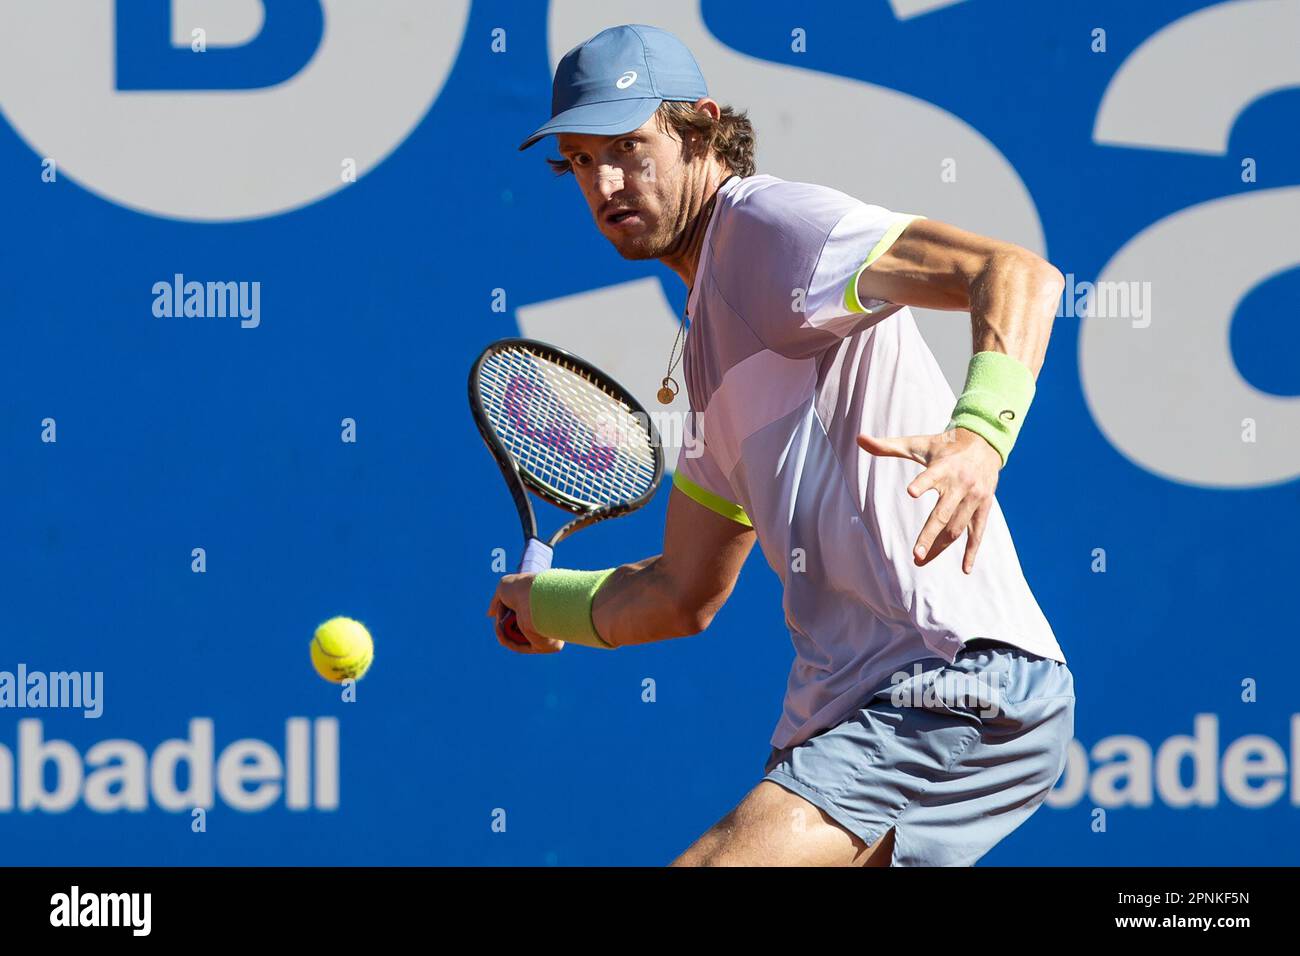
[(359, 163)]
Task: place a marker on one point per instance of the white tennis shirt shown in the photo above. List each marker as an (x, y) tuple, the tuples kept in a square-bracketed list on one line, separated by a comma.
[(784, 368)]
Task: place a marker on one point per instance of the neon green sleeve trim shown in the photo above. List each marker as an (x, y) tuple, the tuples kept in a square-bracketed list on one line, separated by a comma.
[(995, 401), (851, 301), (711, 501), (560, 602)]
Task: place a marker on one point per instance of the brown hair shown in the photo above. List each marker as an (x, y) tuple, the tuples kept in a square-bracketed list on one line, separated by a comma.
[(730, 137)]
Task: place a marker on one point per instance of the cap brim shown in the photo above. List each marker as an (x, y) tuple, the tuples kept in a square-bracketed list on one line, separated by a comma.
[(599, 119)]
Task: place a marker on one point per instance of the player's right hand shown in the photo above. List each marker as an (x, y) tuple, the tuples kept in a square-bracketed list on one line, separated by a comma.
[(513, 592)]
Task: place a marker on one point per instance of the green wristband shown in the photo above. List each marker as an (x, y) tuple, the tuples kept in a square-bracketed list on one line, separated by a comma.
[(995, 401), (560, 603)]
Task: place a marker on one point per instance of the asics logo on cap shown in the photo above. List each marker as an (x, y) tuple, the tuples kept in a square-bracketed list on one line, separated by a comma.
[(619, 75)]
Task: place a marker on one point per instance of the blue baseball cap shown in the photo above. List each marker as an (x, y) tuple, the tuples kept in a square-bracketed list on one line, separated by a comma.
[(615, 81)]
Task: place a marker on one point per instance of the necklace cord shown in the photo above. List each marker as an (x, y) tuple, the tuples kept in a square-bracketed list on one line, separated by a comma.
[(668, 387)]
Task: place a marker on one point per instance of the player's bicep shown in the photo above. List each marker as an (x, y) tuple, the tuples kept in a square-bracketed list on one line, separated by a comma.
[(930, 265), (705, 546)]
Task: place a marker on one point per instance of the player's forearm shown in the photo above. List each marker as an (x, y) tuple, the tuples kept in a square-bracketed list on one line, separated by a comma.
[(1013, 302), (640, 603)]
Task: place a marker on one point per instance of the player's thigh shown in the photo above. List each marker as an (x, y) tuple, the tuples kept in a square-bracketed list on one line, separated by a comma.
[(774, 827)]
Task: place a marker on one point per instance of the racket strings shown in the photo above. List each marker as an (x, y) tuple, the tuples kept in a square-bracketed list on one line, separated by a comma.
[(565, 430), (586, 456), (562, 450)]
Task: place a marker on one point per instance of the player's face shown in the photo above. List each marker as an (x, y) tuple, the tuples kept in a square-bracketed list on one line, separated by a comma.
[(634, 184)]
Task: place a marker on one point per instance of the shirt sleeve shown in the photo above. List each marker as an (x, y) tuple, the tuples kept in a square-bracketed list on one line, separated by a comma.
[(700, 479), (793, 256), (862, 235)]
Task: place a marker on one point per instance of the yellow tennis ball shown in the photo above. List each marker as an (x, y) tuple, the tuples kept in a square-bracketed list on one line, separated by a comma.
[(342, 649)]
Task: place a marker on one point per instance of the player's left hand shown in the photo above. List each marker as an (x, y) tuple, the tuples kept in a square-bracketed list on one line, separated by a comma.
[(963, 468)]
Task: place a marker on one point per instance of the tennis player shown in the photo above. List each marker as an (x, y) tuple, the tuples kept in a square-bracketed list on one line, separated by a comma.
[(929, 706)]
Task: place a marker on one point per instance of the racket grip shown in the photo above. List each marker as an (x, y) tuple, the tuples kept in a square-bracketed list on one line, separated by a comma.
[(537, 558)]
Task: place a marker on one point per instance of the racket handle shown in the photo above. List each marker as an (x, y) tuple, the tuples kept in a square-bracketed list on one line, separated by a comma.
[(537, 558)]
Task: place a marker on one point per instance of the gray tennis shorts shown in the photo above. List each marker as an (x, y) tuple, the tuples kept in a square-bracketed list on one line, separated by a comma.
[(952, 756)]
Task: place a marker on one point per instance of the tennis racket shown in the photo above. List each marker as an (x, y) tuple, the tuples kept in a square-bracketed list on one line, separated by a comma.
[(564, 430)]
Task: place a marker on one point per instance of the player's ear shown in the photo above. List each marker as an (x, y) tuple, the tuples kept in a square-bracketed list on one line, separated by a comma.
[(708, 105)]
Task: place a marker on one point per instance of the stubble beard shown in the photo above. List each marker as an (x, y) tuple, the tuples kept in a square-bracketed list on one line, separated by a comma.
[(642, 247), (651, 244)]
